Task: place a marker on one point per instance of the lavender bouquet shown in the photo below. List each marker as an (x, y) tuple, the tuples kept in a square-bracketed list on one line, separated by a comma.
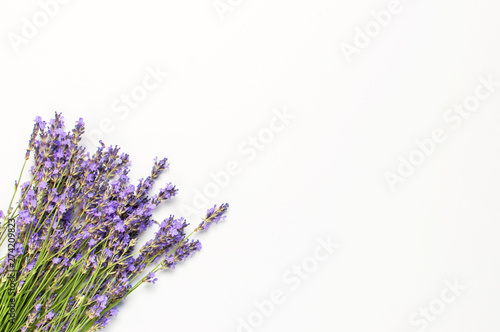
[(71, 238)]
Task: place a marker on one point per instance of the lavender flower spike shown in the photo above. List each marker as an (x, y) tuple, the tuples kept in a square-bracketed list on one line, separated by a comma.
[(214, 215)]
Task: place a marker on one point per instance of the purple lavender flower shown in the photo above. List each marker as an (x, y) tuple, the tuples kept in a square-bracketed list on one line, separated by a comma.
[(50, 315), (120, 226), (214, 215), (101, 301), (30, 266), (159, 167), (151, 278), (104, 321), (182, 252), (41, 124), (18, 249)]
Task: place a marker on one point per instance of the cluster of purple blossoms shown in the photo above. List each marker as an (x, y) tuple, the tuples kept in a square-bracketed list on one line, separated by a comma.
[(77, 223), (214, 215)]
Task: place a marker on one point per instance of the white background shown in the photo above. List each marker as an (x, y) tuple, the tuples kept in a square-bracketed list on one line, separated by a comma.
[(321, 176)]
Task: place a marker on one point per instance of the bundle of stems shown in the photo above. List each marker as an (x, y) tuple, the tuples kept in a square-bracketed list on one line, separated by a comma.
[(71, 237)]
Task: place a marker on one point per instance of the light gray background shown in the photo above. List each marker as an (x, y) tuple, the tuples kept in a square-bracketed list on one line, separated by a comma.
[(321, 176)]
